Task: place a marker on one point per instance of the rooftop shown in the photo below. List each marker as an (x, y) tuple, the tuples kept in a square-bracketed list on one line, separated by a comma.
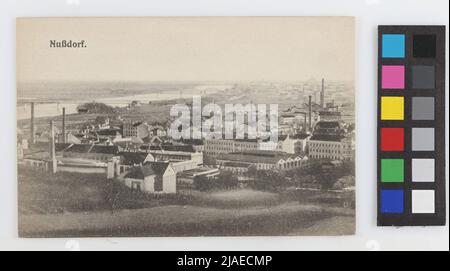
[(328, 125), (330, 113), (80, 148), (104, 149), (299, 136), (179, 148), (336, 138), (61, 146), (132, 158), (179, 153), (88, 148), (236, 164)]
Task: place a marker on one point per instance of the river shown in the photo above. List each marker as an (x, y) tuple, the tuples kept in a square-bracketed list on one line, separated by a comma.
[(44, 109)]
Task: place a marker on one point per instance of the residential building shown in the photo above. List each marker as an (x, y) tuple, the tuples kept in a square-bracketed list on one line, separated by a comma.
[(142, 130), (136, 129), (152, 177), (330, 147), (296, 143), (132, 159)]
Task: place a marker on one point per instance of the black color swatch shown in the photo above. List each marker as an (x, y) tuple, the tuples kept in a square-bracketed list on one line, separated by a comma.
[(424, 46)]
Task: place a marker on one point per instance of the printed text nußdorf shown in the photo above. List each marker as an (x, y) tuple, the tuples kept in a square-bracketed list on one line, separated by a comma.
[(68, 44)]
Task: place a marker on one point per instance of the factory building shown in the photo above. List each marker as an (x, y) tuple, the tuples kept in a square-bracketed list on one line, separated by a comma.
[(216, 147), (261, 160)]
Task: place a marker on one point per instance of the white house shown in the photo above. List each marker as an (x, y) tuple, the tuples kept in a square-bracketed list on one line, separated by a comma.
[(152, 177)]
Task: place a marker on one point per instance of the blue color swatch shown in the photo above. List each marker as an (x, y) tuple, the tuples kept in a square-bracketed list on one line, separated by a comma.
[(393, 46), (392, 201)]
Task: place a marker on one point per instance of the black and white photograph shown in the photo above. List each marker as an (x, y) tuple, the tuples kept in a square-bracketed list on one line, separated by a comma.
[(186, 126)]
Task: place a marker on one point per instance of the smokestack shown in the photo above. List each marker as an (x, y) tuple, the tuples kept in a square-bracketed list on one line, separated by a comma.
[(64, 124), (52, 147), (322, 94), (310, 112), (32, 128), (304, 124)]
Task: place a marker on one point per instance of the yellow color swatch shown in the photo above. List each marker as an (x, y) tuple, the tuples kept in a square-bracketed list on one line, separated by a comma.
[(392, 108)]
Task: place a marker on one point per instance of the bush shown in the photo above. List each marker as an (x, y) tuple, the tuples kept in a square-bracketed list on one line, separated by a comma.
[(268, 180), (225, 180)]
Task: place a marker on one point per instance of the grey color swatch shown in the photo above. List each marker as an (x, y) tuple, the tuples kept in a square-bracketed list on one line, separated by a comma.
[(423, 108), (423, 170), (423, 77), (423, 139)]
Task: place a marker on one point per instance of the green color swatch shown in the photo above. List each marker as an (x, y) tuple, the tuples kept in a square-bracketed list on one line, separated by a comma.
[(392, 170)]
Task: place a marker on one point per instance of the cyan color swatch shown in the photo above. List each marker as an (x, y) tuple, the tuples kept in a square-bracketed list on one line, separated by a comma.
[(393, 46)]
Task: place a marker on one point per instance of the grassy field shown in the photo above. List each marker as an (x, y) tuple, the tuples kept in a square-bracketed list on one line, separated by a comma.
[(285, 219), (74, 205), (242, 198), (43, 193)]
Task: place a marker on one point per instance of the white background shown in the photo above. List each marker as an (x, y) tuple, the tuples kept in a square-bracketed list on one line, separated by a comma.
[(369, 14)]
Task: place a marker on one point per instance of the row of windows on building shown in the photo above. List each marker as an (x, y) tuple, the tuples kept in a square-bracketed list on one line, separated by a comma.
[(331, 151), (328, 145), (287, 165), (261, 166), (172, 157)]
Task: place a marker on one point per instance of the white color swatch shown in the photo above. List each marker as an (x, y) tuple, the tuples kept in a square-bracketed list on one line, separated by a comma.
[(423, 201), (423, 170)]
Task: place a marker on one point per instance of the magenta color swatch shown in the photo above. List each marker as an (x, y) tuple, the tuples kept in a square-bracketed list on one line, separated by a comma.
[(393, 77)]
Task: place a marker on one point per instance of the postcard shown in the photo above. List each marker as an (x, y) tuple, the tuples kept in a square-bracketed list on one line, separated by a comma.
[(186, 126)]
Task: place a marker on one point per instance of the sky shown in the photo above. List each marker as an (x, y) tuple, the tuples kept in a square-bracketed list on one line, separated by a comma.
[(187, 49)]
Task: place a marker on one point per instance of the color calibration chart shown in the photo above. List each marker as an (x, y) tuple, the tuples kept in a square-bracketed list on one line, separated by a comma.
[(411, 126)]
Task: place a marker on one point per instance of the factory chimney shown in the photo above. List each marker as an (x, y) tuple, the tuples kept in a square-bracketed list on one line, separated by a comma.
[(64, 124), (310, 112), (322, 94), (305, 129), (52, 147), (32, 128)]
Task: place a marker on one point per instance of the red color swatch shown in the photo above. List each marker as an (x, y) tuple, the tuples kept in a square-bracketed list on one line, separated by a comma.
[(392, 139)]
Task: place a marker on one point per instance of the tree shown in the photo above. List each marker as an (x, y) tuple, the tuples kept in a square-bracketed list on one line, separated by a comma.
[(252, 171), (112, 195), (327, 180), (202, 183), (268, 180), (97, 108), (208, 160), (225, 180)]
